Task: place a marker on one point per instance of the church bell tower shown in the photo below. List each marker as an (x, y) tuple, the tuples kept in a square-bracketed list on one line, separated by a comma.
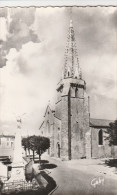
[(72, 104)]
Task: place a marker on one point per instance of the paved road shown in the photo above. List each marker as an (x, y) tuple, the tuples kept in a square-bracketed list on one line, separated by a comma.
[(75, 182)]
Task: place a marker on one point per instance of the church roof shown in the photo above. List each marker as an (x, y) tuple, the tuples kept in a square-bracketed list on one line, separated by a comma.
[(71, 65), (99, 122), (49, 107), (57, 117), (41, 125)]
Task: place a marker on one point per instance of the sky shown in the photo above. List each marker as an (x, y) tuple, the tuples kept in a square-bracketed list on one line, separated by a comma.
[(32, 46)]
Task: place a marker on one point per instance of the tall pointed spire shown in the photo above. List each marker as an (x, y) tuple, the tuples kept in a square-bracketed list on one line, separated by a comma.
[(71, 66)]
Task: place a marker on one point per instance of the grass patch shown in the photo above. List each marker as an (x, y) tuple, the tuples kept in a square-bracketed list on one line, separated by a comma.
[(48, 166), (111, 162), (42, 161)]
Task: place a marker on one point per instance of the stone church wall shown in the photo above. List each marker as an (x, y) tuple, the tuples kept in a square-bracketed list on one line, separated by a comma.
[(86, 126), (51, 128), (99, 151), (64, 128), (58, 109), (79, 125), (57, 136), (77, 128)]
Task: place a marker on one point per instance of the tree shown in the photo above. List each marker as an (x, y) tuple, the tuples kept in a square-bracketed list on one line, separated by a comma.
[(24, 144), (112, 133), (36, 144), (1, 185), (28, 144), (42, 144), (32, 141)]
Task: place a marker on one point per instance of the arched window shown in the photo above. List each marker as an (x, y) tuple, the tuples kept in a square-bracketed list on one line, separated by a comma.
[(76, 92), (58, 150), (68, 73), (100, 137)]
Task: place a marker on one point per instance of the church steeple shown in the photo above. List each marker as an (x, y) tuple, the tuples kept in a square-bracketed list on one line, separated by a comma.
[(72, 105), (71, 66)]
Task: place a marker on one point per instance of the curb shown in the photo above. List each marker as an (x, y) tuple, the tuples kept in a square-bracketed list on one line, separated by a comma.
[(53, 190)]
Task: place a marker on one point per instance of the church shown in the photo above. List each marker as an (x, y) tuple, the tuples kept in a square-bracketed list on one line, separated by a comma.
[(73, 134)]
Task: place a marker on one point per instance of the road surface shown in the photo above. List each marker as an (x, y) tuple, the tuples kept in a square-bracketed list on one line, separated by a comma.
[(71, 181)]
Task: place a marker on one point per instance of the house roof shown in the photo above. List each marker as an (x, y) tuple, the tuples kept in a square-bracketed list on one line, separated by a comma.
[(99, 122), (7, 136)]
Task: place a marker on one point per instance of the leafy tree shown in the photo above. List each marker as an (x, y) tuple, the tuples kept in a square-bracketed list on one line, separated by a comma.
[(24, 144), (32, 141), (37, 144), (112, 133), (28, 145), (42, 144), (1, 185)]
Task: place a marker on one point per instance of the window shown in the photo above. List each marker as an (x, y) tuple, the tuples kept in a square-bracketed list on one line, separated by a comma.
[(100, 137), (58, 150), (76, 92)]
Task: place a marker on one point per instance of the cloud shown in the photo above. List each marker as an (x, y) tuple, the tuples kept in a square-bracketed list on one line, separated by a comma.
[(93, 27), (2, 58), (3, 32), (113, 19), (16, 28), (3, 12)]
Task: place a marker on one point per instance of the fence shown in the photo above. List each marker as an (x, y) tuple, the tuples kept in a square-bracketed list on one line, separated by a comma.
[(21, 185)]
